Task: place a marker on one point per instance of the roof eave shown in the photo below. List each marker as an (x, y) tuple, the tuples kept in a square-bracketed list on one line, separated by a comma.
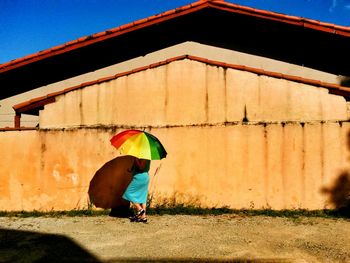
[(102, 36), (234, 8)]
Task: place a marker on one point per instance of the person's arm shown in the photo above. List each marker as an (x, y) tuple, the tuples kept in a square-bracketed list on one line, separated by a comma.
[(141, 164), (132, 168)]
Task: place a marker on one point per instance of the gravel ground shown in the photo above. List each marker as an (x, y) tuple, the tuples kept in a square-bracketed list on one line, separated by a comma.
[(225, 238)]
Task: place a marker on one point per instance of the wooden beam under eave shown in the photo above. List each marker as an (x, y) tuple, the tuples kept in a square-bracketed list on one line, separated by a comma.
[(18, 120)]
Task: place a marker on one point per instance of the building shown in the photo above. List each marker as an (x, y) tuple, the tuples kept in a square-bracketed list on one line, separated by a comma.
[(252, 114)]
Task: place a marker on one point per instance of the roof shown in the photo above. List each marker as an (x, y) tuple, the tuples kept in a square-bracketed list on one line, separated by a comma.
[(34, 105), (299, 21), (288, 38)]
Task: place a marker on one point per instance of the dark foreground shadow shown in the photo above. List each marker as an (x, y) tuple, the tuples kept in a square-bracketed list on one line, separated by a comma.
[(26, 246), (163, 260)]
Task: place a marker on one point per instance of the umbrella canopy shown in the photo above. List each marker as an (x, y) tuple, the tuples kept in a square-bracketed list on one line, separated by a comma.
[(110, 182), (140, 144)]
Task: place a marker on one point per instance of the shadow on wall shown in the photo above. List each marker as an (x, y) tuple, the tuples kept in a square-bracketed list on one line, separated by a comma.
[(26, 246), (339, 192)]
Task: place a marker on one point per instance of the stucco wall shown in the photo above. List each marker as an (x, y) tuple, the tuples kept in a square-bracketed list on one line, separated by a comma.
[(187, 92), (293, 141), (186, 48), (240, 165), (46, 170)]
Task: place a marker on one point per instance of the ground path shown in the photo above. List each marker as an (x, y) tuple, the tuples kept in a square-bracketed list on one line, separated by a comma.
[(179, 238)]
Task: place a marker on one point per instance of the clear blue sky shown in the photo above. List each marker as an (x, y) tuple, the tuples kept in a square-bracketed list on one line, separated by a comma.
[(28, 26)]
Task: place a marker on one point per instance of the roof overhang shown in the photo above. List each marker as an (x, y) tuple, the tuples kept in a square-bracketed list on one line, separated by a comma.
[(291, 39)]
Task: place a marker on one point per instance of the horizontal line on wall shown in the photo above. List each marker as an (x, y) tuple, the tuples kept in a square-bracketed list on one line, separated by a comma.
[(11, 121), (222, 124)]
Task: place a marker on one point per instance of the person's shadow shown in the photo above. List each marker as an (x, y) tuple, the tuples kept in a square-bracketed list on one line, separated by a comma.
[(339, 191), (339, 194)]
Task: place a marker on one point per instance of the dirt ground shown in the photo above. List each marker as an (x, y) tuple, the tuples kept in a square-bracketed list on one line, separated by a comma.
[(225, 238)]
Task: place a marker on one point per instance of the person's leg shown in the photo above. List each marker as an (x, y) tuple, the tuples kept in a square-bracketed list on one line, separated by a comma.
[(138, 207), (144, 208), (142, 217), (138, 214)]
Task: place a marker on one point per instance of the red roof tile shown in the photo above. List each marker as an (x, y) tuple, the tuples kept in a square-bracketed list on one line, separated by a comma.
[(217, 4), (50, 98)]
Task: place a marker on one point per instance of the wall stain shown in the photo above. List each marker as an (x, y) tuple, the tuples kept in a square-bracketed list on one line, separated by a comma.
[(42, 149), (303, 183), (206, 106), (245, 160), (322, 152), (166, 93), (81, 112), (98, 91), (245, 118), (225, 91), (283, 168), (266, 165)]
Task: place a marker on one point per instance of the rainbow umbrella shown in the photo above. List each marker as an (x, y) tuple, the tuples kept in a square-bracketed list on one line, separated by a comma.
[(140, 144)]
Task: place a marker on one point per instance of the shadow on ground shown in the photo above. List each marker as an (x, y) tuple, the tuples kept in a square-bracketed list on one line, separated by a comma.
[(163, 260), (26, 246)]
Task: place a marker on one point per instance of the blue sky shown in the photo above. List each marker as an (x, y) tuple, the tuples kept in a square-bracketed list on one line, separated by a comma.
[(28, 26)]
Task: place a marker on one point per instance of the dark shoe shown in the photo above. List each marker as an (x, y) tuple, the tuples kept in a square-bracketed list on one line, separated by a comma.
[(137, 216), (141, 220), (140, 213), (133, 218)]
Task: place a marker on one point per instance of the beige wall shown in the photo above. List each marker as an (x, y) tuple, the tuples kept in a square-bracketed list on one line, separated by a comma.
[(294, 144), (49, 170), (186, 48), (240, 166), (187, 92)]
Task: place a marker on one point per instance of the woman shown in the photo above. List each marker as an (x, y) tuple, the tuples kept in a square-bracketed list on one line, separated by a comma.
[(137, 191)]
